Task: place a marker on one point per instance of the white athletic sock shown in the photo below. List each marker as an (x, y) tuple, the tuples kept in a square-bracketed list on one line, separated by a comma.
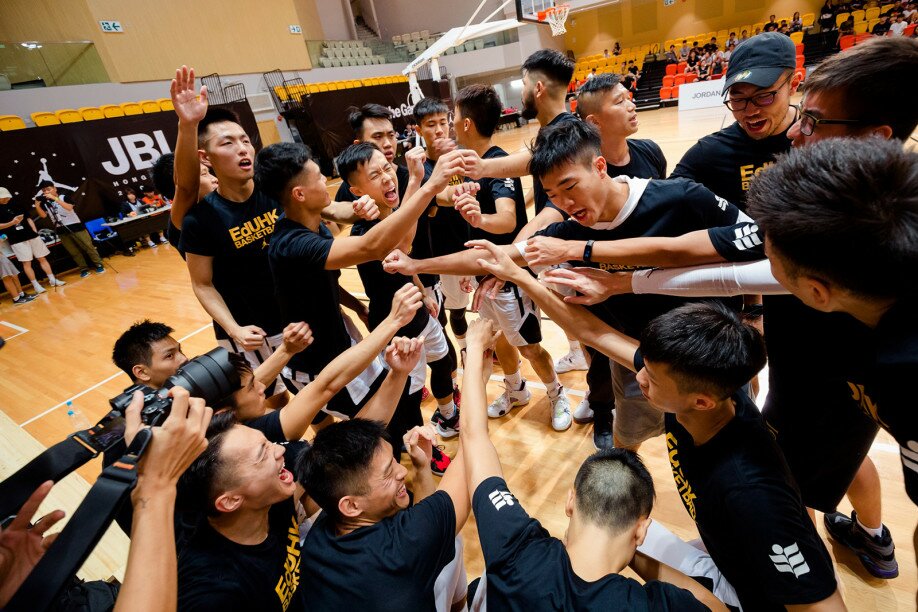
[(875, 532), (554, 388), (21, 294), (51, 278), (514, 381), (37, 285), (447, 410), (574, 345), (461, 342)]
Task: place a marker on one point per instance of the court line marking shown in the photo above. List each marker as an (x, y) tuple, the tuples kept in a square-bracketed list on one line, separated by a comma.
[(21, 330), (97, 385)]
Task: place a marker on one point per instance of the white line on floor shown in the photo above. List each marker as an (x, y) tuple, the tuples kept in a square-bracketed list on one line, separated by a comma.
[(98, 384), (21, 330)]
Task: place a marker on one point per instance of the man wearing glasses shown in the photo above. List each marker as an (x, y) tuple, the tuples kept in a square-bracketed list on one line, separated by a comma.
[(759, 84)]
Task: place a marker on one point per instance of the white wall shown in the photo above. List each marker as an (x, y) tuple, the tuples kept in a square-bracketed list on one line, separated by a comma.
[(401, 16), (337, 20)]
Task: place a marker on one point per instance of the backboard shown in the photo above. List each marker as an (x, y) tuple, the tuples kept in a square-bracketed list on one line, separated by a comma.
[(533, 11)]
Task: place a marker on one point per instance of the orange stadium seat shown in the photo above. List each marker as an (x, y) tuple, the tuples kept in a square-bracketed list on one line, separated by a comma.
[(679, 80), (691, 77), (42, 118), (666, 93), (91, 113), (131, 108), (669, 81), (846, 42), (675, 92), (111, 110), (166, 104), (797, 37), (671, 69), (69, 115), (150, 106), (11, 122)]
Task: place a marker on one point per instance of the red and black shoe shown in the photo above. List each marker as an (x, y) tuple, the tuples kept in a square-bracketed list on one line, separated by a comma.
[(439, 462)]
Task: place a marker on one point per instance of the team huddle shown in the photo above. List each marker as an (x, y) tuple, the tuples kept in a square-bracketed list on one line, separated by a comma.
[(794, 229)]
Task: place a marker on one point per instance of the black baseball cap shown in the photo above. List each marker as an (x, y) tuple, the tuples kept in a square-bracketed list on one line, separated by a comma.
[(761, 60)]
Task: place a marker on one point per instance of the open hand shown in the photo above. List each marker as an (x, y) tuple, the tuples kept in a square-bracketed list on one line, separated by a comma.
[(188, 106), (495, 261), (594, 285)]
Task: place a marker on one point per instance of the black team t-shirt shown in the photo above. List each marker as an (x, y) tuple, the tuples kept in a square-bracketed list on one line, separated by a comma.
[(493, 189), (726, 161), (382, 286), (306, 291), (527, 569), (541, 198), (391, 565), (653, 208), (741, 495), (447, 230), (20, 232), (215, 573), (647, 160), (236, 235)]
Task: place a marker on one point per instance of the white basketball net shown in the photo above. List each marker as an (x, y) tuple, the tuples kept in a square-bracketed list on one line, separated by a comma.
[(557, 17)]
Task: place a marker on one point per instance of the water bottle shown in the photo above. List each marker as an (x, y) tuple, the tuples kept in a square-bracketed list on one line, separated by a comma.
[(78, 422)]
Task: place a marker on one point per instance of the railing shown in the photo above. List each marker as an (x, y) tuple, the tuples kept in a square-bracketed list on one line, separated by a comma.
[(44, 64), (401, 53)]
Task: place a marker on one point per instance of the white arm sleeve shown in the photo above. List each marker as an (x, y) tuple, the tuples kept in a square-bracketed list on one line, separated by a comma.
[(713, 280)]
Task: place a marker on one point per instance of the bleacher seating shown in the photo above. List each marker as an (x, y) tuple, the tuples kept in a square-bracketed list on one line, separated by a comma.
[(11, 122), (150, 106), (91, 113), (68, 115)]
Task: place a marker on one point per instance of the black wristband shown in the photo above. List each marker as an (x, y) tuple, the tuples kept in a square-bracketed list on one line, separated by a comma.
[(588, 251)]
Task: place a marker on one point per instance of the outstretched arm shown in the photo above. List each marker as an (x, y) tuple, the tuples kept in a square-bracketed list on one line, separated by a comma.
[(463, 263), (575, 320), (401, 356), (186, 167), (296, 416)]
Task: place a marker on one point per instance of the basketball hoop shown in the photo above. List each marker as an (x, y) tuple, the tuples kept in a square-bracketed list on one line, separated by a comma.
[(556, 17)]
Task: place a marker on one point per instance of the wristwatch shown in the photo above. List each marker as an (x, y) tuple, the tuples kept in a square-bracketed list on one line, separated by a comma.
[(588, 251)]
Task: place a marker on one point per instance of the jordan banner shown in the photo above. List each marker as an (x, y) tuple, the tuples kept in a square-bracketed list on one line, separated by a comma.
[(92, 163), (323, 120)]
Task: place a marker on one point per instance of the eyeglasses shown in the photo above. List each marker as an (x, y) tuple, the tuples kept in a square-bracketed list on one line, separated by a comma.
[(766, 98), (809, 123)]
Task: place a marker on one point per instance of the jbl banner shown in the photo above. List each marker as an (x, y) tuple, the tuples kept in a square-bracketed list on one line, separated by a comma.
[(93, 162)]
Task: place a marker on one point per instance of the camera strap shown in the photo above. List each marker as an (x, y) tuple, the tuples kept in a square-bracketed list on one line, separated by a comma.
[(81, 534)]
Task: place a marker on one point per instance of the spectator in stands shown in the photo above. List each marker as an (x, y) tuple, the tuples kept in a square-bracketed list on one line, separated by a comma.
[(898, 27), (717, 62), (605, 53), (881, 28), (796, 24), (630, 83), (757, 31), (617, 49), (10, 275), (744, 36), (910, 12), (731, 42), (691, 63), (23, 239), (684, 51), (671, 57), (847, 27), (592, 74), (704, 66), (70, 228), (624, 67), (370, 548), (712, 45), (784, 28), (826, 17), (152, 199), (772, 25)]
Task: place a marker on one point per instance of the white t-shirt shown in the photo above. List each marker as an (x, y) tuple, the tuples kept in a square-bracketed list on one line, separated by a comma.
[(897, 28), (66, 217)]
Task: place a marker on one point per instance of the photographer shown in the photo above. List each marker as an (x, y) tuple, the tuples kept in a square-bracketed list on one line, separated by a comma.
[(69, 227)]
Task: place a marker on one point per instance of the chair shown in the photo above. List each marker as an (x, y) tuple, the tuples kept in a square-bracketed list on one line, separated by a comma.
[(846, 42), (691, 77), (859, 15), (908, 31), (91, 113), (674, 94), (863, 37), (860, 27), (871, 13), (808, 20), (11, 122), (166, 104), (671, 69), (131, 108), (798, 49), (680, 68), (69, 115), (757, 26), (885, 7), (797, 37), (666, 93), (872, 23), (841, 18), (150, 106), (800, 61), (669, 81), (43, 118), (679, 80), (112, 110)]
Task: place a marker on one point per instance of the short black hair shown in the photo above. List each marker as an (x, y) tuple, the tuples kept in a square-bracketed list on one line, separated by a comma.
[(876, 80), (564, 143), (243, 368), (338, 461), (163, 175), (215, 114), (210, 474), (482, 105), (614, 490), (45, 183), (129, 191), (134, 346), (356, 116), (846, 211), (592, 91), (429, 106), (707, 347), (353, 157), (551, 64), (277, 165)]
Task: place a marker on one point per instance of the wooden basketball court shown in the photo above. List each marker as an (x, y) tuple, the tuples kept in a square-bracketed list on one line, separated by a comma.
[(59, 349)]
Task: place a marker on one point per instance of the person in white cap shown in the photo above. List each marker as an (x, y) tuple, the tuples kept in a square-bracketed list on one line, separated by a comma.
[(23, 238)]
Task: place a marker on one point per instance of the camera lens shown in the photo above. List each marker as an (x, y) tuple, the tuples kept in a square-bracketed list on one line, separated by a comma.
[(210, 376)]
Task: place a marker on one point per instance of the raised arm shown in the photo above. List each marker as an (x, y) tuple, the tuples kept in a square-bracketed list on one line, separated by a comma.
[(388, 233), (575, 320), (349, 212), (483, 461), (401, 357), (296, 416), (297, 336), (187, 168)]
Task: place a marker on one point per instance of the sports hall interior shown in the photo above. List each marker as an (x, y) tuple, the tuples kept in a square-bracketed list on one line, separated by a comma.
[(58, 347)]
